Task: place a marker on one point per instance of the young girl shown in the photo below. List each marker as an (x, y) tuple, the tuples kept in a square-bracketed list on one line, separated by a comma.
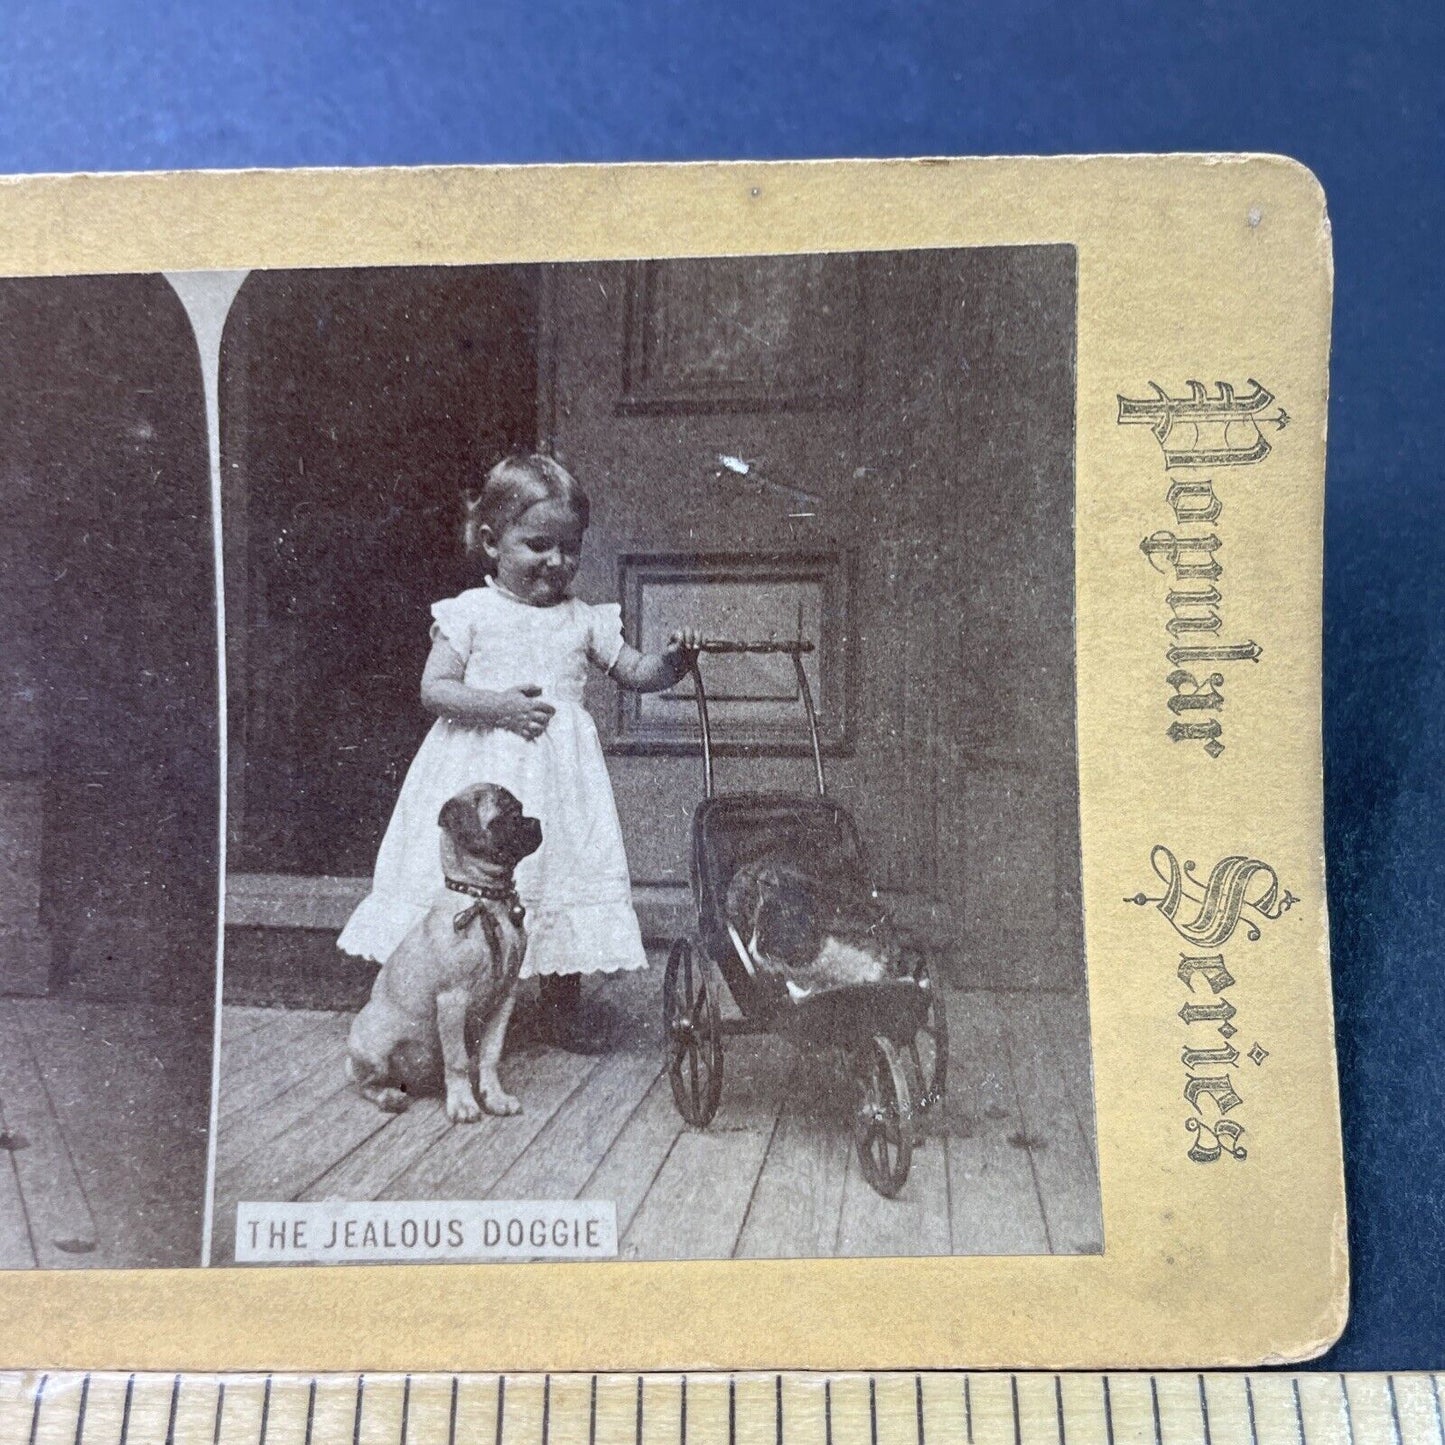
[(504, 678)]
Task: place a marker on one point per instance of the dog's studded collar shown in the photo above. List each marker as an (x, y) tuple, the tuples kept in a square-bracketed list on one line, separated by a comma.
[(467, 916)]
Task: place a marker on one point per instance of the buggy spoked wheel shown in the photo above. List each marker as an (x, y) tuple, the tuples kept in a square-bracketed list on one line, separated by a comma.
[(694, 1035), (883, 1126), (929, 1046)]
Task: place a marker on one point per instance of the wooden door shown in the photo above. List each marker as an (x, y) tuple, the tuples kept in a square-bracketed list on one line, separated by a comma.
[(356, 407), (914, 411), (110, 743)]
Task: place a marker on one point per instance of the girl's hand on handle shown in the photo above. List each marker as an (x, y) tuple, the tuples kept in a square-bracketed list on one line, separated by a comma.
[(657, 671), (682, 649), (522, 712)]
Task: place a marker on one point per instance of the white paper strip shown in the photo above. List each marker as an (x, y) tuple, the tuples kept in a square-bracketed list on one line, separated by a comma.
[(355, 1232)]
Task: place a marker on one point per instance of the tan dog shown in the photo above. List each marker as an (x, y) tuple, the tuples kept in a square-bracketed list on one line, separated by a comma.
[(817, 931), (461, 961)]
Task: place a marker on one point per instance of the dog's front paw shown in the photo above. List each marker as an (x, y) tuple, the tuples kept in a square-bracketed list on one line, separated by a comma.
[(496, 1100), (462, 1108)]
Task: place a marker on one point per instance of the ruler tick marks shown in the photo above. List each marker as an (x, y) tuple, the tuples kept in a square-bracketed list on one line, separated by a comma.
[(1283, 1421), (84, 1398), (35, 1410), (170, 1418), (125, 1409)]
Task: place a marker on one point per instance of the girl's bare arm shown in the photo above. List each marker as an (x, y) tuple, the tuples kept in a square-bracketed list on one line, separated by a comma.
[(518, 709), (657, 671)]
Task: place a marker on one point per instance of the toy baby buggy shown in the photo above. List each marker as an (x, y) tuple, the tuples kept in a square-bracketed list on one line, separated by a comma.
[(797, 859)]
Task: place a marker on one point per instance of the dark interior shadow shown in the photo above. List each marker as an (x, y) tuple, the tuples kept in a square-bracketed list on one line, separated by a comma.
[(108, 750)]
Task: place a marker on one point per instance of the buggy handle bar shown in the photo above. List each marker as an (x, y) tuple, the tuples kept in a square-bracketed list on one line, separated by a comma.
[(795, 650), (719, 645)]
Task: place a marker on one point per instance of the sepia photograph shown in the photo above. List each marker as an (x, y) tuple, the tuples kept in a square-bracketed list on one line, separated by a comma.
[(652, 790), (691, 756), (110, 781)]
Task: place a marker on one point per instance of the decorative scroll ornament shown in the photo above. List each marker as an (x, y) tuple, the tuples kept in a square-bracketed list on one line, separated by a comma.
[(1200, 430), (1237, 886)]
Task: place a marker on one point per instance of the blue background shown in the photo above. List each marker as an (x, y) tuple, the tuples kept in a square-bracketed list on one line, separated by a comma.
[(1353, 91)]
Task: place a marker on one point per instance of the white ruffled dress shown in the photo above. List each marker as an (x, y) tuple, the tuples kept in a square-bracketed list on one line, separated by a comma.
[(576, 887)]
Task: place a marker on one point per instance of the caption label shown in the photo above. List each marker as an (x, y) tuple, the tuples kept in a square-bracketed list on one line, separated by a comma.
[(465, 1231)]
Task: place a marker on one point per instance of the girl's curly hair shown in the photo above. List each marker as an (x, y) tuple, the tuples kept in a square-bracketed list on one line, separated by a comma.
[(514, 484)]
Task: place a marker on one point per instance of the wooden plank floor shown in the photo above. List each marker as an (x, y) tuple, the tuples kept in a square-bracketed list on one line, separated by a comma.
[(1008, 1166), (104, 1112)]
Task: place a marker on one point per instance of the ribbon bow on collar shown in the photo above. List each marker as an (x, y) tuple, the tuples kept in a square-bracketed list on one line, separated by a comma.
[(515, 911)]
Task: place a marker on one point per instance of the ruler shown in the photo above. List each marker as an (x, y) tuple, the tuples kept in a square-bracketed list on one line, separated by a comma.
[(935, 1408)]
